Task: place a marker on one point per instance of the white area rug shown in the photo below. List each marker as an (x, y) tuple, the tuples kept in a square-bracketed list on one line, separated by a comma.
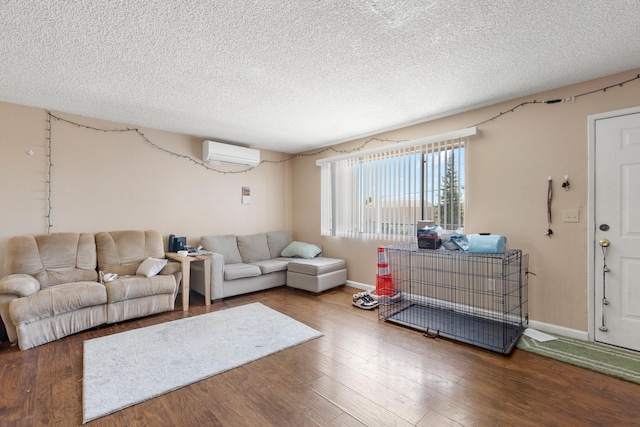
[(123, 369)]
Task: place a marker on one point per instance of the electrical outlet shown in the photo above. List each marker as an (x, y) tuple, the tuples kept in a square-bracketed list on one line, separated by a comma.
[(571, 215), (491, 284)]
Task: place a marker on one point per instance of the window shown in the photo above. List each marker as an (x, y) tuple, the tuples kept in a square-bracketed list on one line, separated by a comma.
[(383, 193)]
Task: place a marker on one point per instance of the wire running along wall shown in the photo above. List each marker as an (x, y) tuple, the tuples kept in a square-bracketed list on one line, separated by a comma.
[(478, 299), (50, 115)]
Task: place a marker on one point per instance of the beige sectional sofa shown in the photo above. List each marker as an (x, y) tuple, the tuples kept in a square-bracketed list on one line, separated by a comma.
[(53, 283), (243, 264)]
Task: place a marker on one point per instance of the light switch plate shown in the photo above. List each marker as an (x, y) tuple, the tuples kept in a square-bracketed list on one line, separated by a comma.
[(571, 215)]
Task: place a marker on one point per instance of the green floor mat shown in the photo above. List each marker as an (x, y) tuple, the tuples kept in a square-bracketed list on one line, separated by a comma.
[(613, 361)]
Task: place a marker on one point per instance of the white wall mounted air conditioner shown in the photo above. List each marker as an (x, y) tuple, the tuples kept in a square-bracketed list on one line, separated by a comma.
[(213, 151)]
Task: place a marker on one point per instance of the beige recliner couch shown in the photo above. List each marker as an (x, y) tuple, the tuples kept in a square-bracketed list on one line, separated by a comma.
[(53, 285)]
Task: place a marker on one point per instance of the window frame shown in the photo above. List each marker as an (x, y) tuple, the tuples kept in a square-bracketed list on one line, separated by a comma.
[(341, 185)]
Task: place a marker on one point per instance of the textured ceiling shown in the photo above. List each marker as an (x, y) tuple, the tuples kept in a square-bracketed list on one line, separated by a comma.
[(291, 75)]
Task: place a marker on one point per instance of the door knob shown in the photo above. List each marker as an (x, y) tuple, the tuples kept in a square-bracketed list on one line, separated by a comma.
[(604, 243)]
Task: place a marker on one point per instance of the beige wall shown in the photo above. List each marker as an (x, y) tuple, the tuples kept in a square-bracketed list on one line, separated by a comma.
[(117, 181), (508, 166), (113, 181)]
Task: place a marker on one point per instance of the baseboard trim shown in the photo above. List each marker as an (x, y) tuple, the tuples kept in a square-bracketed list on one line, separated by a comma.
[(559, 330), (359, 285)]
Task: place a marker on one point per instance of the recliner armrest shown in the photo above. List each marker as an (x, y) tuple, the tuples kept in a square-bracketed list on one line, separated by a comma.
[(171, 268), (21, 285), (12, 287), (174, 268)]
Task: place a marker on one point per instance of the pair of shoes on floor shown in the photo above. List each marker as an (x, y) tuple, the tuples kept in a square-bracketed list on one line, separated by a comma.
[(364, 300), (360, 295)]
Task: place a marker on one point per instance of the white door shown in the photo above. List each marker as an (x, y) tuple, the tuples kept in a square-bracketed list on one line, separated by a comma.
[(617, 219)]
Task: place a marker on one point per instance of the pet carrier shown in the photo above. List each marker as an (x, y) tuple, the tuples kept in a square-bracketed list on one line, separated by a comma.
[(478, 299)]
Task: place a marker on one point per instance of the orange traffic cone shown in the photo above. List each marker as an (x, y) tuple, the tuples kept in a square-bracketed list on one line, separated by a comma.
[(384, 282)]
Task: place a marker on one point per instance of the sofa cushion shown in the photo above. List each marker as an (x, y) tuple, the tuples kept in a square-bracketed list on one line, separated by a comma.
[(271, 265), (278, 240), (127, 288), (53, 259), (239, 271), (301, 250), (122, 252), (227, 246), (253, 248), (56, 300), (316, 266), (151, 266)]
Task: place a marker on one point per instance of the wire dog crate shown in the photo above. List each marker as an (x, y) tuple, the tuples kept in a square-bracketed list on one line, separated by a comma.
[(478, 299)]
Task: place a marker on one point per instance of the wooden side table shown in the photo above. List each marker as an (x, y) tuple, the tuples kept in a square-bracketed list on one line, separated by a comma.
[(185, 262)]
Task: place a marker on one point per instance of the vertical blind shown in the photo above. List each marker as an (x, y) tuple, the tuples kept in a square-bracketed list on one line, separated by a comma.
[(383, 193)]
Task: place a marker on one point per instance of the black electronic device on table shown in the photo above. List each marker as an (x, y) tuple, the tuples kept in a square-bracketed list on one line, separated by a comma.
[(176, 243)]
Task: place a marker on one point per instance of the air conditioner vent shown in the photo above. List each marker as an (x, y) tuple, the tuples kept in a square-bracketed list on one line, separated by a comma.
[(213, 151)]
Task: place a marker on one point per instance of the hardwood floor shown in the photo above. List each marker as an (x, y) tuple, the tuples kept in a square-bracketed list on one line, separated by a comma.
[(361, 372)]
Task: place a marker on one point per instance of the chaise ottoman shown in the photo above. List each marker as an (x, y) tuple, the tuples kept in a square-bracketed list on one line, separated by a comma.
[(316, 274)]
